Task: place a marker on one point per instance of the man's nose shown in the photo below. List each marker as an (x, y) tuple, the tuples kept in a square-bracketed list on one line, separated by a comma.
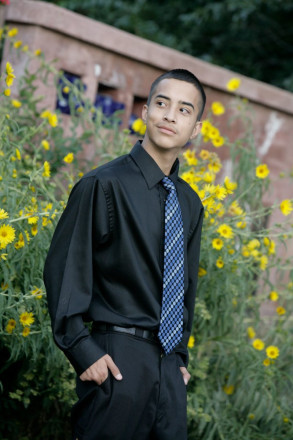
[(170, 115)]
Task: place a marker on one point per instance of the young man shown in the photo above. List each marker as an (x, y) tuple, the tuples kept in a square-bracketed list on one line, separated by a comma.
[(125, 256)]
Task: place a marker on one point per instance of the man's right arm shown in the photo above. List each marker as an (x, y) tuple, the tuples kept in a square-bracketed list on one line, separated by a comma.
[(68, 273)]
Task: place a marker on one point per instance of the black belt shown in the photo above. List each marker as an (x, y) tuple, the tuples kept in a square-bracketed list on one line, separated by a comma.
[(135, 331)]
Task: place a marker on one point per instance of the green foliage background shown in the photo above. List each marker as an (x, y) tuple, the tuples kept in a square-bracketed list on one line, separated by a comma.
[(232, 395), (253, 37)]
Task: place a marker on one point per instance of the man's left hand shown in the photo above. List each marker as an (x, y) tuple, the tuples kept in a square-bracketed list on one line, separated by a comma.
[(185, 374)]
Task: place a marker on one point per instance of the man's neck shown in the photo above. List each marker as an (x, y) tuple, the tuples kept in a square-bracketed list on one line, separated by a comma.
[(163, 158)]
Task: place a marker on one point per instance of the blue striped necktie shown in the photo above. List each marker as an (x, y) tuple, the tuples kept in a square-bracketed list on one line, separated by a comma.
[(171, 323)]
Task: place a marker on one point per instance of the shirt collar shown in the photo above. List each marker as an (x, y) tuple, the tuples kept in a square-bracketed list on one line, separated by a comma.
[(149, 168)]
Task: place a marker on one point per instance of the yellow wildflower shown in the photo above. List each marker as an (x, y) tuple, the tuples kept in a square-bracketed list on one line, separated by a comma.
[(45, 114), (210, 188), (10, 75), (137, 125), (26, 318), (218, 108), (204, 154), (142, 130), (255, 253), (225, 231), (285, 419), (286, 207), (17, 44), (37, 292), (7, 235), (7, 92), (53, 120), (220, 192), (266, 362), (217, 243), (252, 244), (201, 272), (218, 141), (34, 230), (209, 177), (272, 352), (191, 342), (10, 326), (201, 193), (68, 158), (12, 32), (233, 84), (188, 176), (230, 186), (45, 144), (251, 416), (251, 332), (229, 389), (80, 174), (262, 171), (25, 48), (17, 154), (20, 243), (258, 344), (47, 171), (281, 310), (206, 127), (220, 263), (3, 214), (37, 52), (190, 158), (214, 132), (241, 224), (66, 89), (263, 262), (16, 103), (272, 247), (235, 209), (215, 165), (25, 332), (274, 295)]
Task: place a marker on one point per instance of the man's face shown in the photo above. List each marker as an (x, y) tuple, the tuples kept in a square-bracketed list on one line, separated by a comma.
[(171, 116)]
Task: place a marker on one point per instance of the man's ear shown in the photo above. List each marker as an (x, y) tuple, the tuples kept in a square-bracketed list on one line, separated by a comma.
[(144, 113), (196, 129)]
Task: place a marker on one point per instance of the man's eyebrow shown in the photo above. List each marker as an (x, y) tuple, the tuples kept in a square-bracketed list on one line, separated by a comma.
[(180, 102)]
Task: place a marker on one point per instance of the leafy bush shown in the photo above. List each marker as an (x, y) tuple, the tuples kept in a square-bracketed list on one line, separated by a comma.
[(240, 358)]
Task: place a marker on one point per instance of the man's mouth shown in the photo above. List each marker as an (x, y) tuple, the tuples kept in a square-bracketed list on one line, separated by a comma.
[(165, 129)]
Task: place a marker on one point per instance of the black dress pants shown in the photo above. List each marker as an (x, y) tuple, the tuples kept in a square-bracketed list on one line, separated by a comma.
[(149, 403)]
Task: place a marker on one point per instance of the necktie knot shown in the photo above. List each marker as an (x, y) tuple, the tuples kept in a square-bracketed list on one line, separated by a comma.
[(168, 184)]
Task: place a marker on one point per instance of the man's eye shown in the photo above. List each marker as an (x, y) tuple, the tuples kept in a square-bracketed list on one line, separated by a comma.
[(184, 110), (160, 103)]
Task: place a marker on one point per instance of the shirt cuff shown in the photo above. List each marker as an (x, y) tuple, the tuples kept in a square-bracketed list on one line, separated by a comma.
[(84, 354), (182, 359)]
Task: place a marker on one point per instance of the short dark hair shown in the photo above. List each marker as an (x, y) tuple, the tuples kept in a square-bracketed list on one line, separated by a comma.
[(182, 75)]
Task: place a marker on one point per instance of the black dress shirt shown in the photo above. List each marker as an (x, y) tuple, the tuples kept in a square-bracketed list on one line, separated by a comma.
[(105, 262)]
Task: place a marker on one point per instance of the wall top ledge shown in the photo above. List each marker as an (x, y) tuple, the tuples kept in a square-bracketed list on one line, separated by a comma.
[(46, 15)]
